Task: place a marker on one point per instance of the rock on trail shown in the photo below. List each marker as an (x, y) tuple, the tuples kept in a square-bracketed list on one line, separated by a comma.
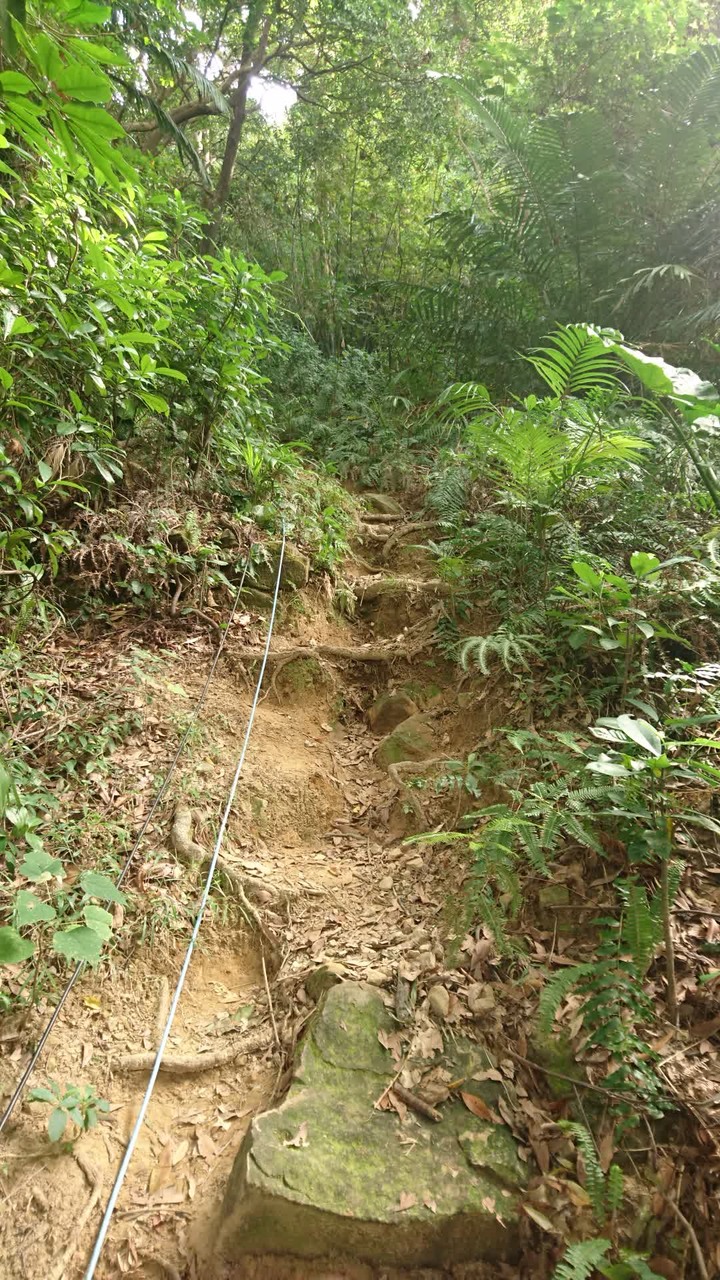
[(327, 1173)]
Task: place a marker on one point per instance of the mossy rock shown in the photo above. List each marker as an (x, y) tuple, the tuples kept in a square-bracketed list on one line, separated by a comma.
[(325, 1174), (383, 504), (295, 568), (254, 599), (555, 1053), (389, 710), (411, 740)]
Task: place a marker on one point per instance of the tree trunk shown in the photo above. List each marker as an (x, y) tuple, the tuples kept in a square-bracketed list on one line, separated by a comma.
[(254, 55)]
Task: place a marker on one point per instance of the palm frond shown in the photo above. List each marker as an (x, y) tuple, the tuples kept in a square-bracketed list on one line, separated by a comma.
[(181, 70), (576, 361)]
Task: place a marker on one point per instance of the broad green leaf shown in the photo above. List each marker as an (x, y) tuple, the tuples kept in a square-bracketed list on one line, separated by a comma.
[(44, 471), (646, 628), (98, 52), (155, 237), (83, 83), (47, 56), (642, 733), (15, 324), (99, 919), (587, 574), (97, 885), (13, 948), (57, 1124), (41, 1095), (6, 379), (15, 82), (85, 13), (38, 866), (94, 118), (78, 943), (29, 909), (644, 565), (154, 402), (610, 768)]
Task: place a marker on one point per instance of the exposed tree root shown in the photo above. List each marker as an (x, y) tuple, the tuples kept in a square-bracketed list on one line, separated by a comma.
[(341, 653), (196, 857), (415, 526), (372, 588), (377, 517), (370, 533), (179, 1064), (58, 1268)]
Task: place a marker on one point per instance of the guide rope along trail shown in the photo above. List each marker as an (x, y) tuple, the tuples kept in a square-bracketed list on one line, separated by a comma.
[(132, 1141)]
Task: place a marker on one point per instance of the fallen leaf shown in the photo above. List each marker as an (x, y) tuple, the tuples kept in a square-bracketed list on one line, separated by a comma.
[(205, 1145), (407, 1201), (479, 1108), (540, 1219), (180, 1151), (87, 1053), (489, 1204), (300, 1139), (429, 1202), (541, 1151)]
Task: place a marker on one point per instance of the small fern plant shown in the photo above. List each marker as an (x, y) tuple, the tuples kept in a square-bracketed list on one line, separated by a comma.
[(582, 1259), (585, 1257), (614, 1006), (604, 1189), (512, 649)]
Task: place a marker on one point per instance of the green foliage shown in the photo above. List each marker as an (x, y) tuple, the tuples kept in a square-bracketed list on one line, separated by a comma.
[(512, 650), (586, 1256), (581, 1259), (604, 1189), (75, 1104), (576, 362)]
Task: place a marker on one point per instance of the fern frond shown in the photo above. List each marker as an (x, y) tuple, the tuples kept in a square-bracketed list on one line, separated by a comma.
[(510, 649), (581, 1259), (614, 1188), (555, 991), (642, 923), (594, 1176), (448, 495), (580, 833)]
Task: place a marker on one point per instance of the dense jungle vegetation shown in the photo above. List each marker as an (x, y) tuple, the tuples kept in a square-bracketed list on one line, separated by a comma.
[(256, 259)]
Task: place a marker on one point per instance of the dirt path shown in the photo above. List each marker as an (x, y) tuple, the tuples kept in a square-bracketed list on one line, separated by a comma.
[(317, 827)]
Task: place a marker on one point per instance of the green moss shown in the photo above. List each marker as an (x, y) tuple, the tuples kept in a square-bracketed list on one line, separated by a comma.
[(411, 740), (325, 1171)]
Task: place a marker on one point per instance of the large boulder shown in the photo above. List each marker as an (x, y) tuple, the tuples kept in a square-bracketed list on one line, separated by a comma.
[(382, 504), (325, 1174), (295, 569), (411, 740), (389, 710)]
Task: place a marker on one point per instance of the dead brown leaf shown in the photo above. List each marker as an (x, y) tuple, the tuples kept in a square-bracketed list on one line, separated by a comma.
[(479, 1108), (180, 1151), (407, 1201)]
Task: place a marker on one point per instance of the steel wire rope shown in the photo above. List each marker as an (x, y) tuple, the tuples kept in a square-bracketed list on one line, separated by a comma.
[(80, 967), (132, 1140)]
